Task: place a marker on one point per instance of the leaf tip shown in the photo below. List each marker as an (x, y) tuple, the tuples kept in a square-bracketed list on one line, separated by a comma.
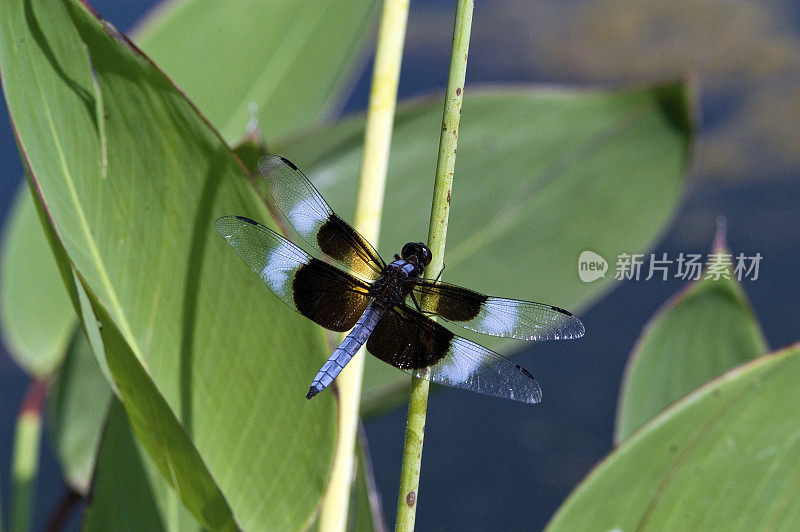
[(678, 103)]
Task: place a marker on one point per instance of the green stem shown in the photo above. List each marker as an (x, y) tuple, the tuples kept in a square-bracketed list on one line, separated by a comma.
[(25, 461), (437, 234), (369, 206)]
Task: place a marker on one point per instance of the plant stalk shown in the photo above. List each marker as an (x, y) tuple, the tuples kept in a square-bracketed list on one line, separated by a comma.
[(437, 234), (369, 206), (25, 461)]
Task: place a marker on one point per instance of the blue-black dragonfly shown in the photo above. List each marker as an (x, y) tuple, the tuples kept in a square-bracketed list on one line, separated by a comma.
[(386, 305)]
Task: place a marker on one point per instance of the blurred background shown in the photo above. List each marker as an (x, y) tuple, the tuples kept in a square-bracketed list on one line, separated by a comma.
[(514, 464)]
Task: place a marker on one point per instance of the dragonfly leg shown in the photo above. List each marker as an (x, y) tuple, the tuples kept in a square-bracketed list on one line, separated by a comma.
[(440, 274), (416, 303)]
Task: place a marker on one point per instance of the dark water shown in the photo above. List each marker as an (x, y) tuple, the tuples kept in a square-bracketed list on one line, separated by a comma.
[(491, 464)]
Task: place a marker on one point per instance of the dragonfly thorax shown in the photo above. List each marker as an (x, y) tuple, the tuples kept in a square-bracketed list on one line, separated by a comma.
[(392, 286)]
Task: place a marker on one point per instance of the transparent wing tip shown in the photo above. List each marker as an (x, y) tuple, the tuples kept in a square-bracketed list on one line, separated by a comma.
[(268, 163), (578, 329)]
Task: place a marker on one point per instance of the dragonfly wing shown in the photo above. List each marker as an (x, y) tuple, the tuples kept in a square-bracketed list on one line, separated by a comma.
[(410, 341), (312, 217), (315, 289), (496, 316)]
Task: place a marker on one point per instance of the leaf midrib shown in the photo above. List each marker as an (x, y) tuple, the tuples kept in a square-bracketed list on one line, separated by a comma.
[(94, 251)]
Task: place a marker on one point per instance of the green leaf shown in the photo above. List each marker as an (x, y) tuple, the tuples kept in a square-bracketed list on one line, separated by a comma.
[(542, 175), (124, 489), (159, 431), (723, 458), (702, 332), (36, 316), (79, 407), (249, 152), (132, 179), (290, 59)]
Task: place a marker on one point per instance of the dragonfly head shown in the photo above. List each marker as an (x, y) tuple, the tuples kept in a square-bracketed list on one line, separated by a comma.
[(417, 254)]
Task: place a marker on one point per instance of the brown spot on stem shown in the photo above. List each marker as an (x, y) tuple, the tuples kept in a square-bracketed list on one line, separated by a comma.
[(458, 91), (411, 499), (448, 202), (444, 127)]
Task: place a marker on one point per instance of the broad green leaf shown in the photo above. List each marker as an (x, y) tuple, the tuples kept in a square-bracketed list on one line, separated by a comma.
[(702, 332), (159, 431), (36, 316), (132, 179), (36, 320), (291, 59), (124, 496), (79, 405), (541, 176), (726, 457)]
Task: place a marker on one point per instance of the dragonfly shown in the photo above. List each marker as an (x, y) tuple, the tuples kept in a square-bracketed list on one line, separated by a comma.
[(387, 306)]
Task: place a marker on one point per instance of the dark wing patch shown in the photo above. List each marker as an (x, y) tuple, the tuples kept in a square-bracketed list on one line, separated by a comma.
[(329, 296), (408, 340), (315, 221), (451, 302), (317, 290)]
